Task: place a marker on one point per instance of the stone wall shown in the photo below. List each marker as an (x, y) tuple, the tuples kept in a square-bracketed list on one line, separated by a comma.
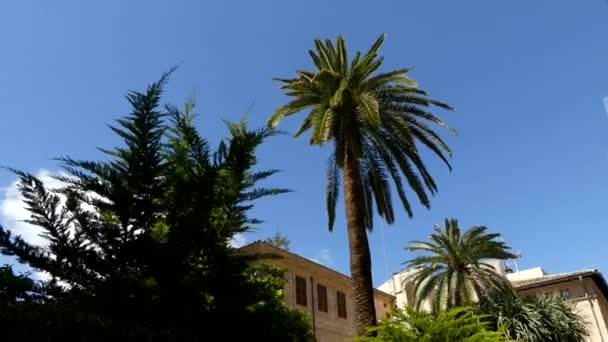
[(329, 327), (593, 307)]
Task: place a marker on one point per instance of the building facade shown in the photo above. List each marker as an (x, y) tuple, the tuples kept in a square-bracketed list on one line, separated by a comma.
[(322, 292), (587, 289)]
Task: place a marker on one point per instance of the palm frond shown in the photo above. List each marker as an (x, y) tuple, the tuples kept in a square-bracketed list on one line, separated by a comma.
[(368, 196), (342, 55), (395, 76), (290, 108), (306, 125), (332, 189), (397, 151), (392, 167), (323, 53), (323, 127), (380, 187), (370, 109)]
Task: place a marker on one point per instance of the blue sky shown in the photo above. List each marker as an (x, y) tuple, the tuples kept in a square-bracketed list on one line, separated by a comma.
[(526, 78)]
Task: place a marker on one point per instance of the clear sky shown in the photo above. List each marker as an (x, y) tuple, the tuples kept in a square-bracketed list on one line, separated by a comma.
[(526, 78)]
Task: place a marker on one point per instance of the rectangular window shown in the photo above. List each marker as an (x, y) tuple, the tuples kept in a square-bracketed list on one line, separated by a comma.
[(564, 293), (322, 297), (301, 291), (341, 304)]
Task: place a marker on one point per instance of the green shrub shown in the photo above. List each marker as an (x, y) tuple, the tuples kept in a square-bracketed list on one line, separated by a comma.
[(454, 325)]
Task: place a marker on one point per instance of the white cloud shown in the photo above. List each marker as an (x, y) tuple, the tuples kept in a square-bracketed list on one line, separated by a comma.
[(13, 211), (44, 276), (324, 257), (239, 240)]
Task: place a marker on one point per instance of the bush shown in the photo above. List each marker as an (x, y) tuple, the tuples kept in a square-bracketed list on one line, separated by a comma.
[(454, 325), (543, 318)]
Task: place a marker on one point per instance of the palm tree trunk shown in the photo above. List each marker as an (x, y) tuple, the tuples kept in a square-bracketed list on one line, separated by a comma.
[(360, 259)]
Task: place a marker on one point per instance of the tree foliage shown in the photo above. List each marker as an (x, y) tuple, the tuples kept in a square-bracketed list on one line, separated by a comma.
[(18, 289), (453, 272), (279, 240), (138, 243), (454, 325), (534, 319)]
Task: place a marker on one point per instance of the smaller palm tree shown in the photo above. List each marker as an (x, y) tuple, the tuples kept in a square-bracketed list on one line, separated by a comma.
[(454, 273), (543, 318)]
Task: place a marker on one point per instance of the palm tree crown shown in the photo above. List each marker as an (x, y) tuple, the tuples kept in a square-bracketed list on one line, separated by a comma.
[(376, 117), (454, 273)]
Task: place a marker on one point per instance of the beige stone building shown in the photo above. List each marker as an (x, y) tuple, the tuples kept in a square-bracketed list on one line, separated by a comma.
[(324, 293), (587, 289)]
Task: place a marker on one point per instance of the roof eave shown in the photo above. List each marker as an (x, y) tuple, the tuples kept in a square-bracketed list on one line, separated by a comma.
[(379, 292), (597, 277)]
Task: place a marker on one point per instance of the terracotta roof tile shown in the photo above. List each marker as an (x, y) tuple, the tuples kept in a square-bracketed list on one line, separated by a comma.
[(552, 278)]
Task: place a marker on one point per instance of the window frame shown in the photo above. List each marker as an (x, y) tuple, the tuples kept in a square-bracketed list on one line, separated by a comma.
[(341, 309), (322, 305), (301, 291)]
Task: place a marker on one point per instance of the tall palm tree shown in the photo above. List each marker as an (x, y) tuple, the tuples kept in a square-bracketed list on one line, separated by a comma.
[(376, 122), (454, 272)]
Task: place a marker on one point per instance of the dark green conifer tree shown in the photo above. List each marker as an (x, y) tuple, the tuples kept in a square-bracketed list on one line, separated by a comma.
[(138, 243)]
